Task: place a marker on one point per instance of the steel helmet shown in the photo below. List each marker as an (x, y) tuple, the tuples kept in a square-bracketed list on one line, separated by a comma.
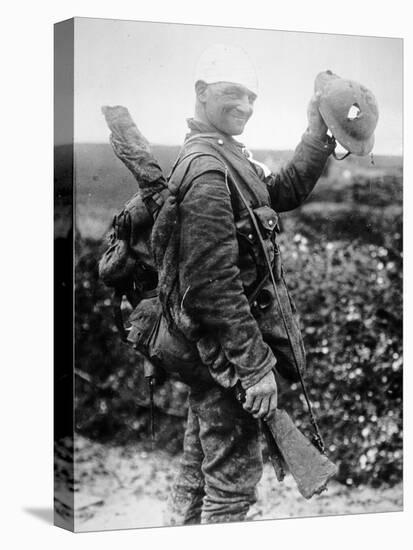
[(350, 111)]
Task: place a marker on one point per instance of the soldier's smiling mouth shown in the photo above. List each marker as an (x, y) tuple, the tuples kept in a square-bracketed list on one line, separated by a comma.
[(238, 117)]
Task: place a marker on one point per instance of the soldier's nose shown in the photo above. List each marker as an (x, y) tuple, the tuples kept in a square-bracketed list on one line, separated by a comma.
[(244, 109)]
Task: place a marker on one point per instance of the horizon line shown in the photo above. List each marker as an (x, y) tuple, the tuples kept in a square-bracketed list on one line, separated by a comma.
[(258, 148)]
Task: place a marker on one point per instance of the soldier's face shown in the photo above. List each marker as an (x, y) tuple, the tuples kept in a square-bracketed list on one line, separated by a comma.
[(228, 106)]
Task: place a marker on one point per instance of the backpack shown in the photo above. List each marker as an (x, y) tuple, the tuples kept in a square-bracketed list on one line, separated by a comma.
[(127, 265)]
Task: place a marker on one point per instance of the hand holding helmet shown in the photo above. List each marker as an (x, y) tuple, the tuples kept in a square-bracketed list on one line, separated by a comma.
[(316, 125)]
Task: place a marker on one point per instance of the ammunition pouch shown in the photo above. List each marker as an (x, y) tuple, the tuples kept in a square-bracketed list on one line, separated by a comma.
[(249, 243)]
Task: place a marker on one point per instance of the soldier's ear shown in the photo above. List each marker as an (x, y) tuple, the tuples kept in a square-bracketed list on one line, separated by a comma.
[(201, 88)]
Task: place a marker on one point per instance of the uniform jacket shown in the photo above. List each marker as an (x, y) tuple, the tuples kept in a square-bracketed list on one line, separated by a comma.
[(207, 256)]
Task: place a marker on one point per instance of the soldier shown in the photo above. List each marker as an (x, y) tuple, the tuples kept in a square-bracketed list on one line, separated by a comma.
[(213, 285)]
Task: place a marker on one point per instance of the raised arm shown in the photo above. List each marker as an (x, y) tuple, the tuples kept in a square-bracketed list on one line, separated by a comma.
[(292, 184)]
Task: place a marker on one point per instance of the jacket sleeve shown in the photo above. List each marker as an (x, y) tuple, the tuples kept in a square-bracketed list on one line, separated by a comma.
[(212, 294), (292, 184)]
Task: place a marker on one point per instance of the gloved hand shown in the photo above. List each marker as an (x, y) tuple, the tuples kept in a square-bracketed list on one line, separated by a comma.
[(316, 125), (261, 398)]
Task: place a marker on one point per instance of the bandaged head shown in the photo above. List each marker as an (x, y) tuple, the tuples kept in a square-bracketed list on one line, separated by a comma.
[(224, 63)]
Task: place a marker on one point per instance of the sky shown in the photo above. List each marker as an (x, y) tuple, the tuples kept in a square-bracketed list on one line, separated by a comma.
[(149, 68)]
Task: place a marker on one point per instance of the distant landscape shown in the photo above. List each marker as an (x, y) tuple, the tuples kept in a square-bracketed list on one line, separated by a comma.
[(103, 183)]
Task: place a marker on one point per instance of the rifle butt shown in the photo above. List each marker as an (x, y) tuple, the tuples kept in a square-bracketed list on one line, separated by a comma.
[(310, 469)]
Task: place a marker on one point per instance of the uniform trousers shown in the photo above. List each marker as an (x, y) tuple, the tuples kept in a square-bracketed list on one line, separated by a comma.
[(221, 463)]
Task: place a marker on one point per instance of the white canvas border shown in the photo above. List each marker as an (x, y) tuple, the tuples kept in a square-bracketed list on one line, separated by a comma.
[(27, 277)]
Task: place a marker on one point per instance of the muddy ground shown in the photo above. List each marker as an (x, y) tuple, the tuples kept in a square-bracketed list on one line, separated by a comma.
[(127, 487)]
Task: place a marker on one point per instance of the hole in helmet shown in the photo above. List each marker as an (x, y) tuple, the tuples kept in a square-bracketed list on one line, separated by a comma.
[(354, 112)]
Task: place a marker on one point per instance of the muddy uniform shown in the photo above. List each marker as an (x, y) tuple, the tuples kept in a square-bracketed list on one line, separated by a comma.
[(211, 264)]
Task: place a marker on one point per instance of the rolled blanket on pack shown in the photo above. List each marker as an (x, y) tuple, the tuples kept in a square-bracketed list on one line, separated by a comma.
[(133, 149)]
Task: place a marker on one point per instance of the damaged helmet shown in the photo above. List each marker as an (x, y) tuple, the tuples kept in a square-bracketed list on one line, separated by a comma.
[(349, 110)]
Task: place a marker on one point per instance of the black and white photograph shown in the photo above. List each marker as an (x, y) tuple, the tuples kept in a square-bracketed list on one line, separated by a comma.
[(228, 234)]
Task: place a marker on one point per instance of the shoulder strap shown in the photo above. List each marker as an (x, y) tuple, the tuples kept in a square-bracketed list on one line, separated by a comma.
[(181, 167), (195, 137)]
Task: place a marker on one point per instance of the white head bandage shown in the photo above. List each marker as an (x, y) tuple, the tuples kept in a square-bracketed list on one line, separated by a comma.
[(223, 63)]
